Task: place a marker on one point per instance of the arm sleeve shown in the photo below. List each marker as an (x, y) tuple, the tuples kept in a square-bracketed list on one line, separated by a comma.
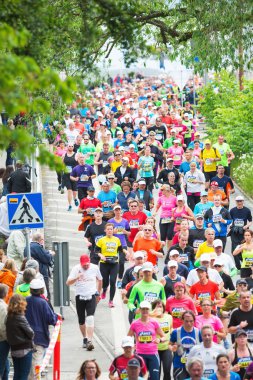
[(131, 301)]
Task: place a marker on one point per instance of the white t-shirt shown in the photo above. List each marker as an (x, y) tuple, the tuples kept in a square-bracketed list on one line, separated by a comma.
[(86, 286), (228, 262), (193, 277), (71, 135), (208, 355)]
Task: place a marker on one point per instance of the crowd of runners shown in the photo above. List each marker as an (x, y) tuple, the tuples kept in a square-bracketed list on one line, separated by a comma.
[(152, 192)]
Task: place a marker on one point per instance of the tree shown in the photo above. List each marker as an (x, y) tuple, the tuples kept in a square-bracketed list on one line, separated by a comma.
[(228, 111)]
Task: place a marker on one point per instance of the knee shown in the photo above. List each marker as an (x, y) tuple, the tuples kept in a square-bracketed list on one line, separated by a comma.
[(89, 321)]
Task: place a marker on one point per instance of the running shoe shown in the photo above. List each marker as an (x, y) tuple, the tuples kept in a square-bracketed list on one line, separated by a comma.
[(59, 188), (76, 203), (62, 191), (103, 295), (69, 208), (111, 304), (85, 340), (119, 284), (90, 345)]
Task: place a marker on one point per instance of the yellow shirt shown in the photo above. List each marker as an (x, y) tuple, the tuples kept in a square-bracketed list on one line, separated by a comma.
[(205, 155), (115, 165), (203, 248), (109, 246)]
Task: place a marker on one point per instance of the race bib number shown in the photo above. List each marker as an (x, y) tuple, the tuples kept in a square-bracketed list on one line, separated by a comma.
[(244, 362), (111, 246), (196, 243), (134, 223), (84, 178), (217, 218), (104, 164), (248, 262), (82, 298), (159, 137), (208, 372), (147, 167), (221, 151), (184, 358), (145, 337), (91, 212), (165, 327), (239, 223), (208, 161), (124, 374), (179, 220), (191, 179), (204, 295), (119, 230), (177, 312), (69, 169), (150, 296), (107, 204), (177, 157), (165, 220), (98, 237), (250, 335), (184, 257)]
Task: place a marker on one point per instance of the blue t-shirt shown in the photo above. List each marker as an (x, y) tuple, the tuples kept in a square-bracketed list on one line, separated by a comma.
[(233, 376), (191, 145), (201, 208), (146, 166), (141, 192), (84, 172), (185, 166), (187, 340), (109, 198), (119, 226)]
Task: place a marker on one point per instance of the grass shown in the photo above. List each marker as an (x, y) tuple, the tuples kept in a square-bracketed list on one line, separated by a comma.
[(242, 173)]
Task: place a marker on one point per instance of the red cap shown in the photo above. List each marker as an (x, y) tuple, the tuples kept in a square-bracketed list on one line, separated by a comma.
[(214, 183), (84, 259)]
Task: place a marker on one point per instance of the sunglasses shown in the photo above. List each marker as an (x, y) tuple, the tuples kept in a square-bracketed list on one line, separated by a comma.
[(146, 229)]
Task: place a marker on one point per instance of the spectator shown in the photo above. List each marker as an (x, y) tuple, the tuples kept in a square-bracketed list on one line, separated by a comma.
[(4, 345), (16, 247), (8, 277), (19, 181)]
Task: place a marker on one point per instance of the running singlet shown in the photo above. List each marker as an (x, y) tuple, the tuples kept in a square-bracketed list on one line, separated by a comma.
[(247, 259), (70, 163), (109, 248)]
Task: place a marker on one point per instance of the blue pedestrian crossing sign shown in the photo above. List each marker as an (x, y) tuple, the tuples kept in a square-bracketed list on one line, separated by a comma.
[(25, 211)]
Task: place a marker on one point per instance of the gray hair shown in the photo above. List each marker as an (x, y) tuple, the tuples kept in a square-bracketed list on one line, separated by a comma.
[(37, 237), (192, 361), (32, 264)]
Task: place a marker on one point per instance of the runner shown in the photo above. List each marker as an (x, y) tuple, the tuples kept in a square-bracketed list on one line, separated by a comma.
[(69, 159), (88, 285), (83, 175)]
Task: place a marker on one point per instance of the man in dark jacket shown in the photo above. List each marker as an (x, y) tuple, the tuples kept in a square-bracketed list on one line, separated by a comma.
[(44, 258), (19, 181), (124, 172), (40, 316), (144, 194)]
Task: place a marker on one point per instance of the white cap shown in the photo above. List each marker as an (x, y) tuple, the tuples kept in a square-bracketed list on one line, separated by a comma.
[(174, 252), (141, 182), (145, 305), (36, 284), (176, 141), (147, 267), (239, 198), (172, 263), (116, 207), (205, 257), (119, 132), (138, 254), (124, 158), (99, 114), (137, 268), (218, 261), (150, 103), (212, 255), (131, 146), (108, 133), (127, 116), (121, 148), (173, 130), (217, 243), (128, 341), (180, 198)]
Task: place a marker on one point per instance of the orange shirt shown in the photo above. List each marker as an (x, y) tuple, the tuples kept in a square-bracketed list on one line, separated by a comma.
[(8, 278), (143, 244), (218, 192)]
